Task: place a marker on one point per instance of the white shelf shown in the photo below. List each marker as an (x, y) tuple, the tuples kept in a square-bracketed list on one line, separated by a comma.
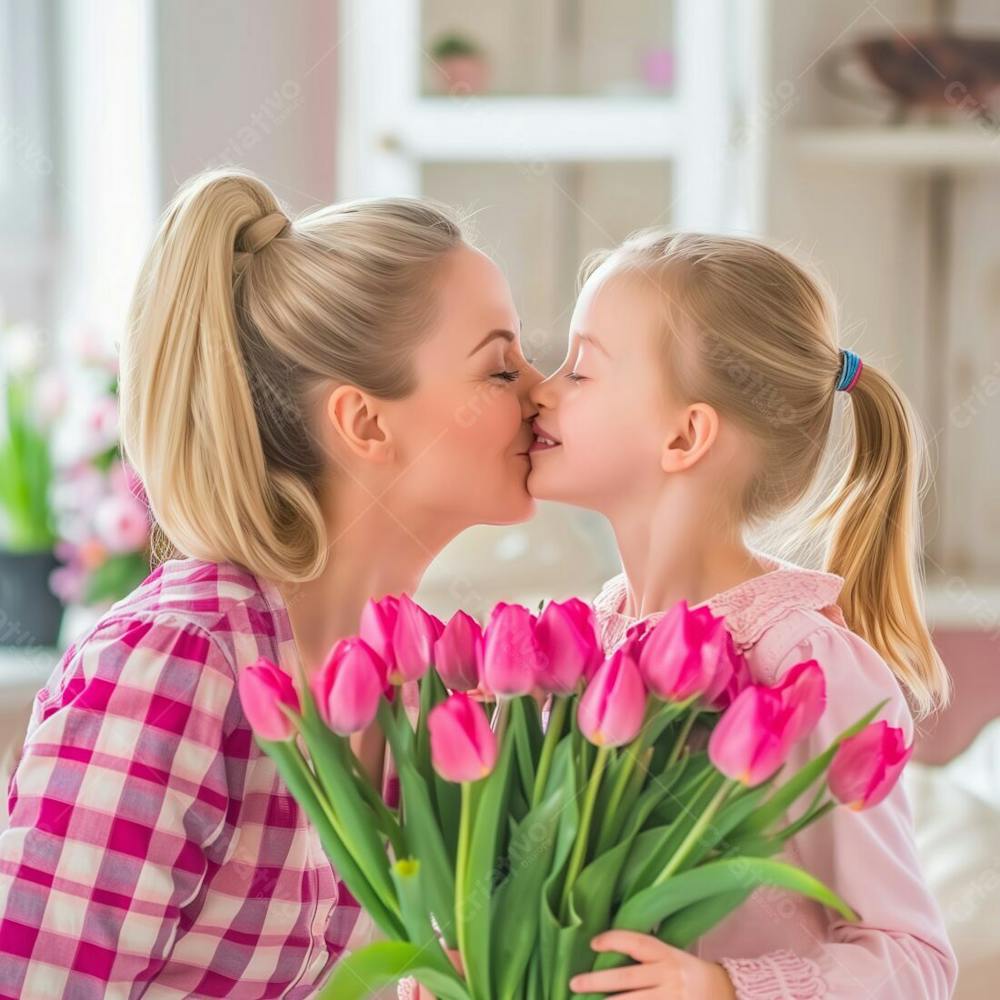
[(524, 128), (914, 147)]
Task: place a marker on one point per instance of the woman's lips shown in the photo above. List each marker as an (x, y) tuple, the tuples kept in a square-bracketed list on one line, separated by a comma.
[(543, 440)]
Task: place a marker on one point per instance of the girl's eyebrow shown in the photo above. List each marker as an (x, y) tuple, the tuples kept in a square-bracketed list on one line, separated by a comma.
[(589, 338)]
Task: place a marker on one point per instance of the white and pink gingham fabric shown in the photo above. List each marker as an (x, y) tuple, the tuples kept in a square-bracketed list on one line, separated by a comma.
[(153, 849)]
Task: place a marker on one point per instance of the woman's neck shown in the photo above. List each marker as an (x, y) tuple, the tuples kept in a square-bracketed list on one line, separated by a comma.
[(372, 553), (679, 547)]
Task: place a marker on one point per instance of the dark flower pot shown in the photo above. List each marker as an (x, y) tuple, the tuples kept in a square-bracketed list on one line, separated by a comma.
[(30, 614)]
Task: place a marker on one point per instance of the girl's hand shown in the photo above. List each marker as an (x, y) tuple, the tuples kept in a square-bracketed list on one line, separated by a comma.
[(663, 972)]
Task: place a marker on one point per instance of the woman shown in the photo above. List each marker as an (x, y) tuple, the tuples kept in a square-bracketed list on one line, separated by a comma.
[(315, 409)]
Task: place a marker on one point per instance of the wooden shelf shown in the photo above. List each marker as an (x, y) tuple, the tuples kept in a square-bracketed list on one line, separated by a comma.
[(903, 147)]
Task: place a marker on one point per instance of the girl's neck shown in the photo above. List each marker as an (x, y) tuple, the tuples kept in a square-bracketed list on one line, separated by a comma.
[(679, 548)]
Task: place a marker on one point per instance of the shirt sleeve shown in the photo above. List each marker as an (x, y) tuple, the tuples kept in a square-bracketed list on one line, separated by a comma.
[(120, 791), (899, 950)]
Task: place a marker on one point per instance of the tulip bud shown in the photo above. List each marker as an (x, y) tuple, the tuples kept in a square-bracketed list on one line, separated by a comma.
[(511, 657), (570, 647), (264, 687), (378, 619), (348, 687), (463, 747), (458, 652), (612, 708), (753, 737), (413, 639), (681, 652), (866, 766), (732, 675)]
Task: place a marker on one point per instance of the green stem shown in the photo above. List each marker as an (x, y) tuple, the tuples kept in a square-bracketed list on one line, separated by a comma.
[(695, 832), (552, 735), (461, 869), (682, 737), (583, 834)]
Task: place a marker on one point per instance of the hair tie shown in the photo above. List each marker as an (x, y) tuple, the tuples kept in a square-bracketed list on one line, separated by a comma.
[(850, 369), (258, 234)]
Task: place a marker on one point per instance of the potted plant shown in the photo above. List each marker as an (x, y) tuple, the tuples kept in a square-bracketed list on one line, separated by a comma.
[(461, 64), (30, 614)]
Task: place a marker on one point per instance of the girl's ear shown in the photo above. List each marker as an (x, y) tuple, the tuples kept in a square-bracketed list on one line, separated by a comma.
[(690, 438), (358, 423)]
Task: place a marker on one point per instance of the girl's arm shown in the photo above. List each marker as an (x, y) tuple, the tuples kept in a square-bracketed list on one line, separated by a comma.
[(899, 950), (120, 792)]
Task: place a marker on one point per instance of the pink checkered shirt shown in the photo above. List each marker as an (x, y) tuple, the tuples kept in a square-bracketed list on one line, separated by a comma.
[(153, 849)]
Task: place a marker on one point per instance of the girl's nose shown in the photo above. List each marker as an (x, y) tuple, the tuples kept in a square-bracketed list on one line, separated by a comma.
[(543, 392), (529, 380)]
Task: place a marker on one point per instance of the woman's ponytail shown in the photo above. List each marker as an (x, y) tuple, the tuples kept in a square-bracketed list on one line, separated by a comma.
[(239, 314), (874, 540)]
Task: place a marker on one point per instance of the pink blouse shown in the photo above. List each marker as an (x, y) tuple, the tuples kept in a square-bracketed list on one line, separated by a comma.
[(778, 945)]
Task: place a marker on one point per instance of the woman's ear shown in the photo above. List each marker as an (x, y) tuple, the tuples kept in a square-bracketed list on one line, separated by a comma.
[(689, 440), (358, 423)]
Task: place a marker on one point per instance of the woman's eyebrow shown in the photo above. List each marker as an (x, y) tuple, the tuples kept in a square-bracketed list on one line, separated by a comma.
[(491, 336)]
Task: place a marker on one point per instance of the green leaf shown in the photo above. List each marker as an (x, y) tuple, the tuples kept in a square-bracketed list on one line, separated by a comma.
[(420, 823), (296, 775), (515, 903), (649, 906), (490, 805), (362, 972), (331, 759), (684, 928)]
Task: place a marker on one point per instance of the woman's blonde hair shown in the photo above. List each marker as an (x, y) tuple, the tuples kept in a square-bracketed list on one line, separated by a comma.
[(755, 336), (239, 315)]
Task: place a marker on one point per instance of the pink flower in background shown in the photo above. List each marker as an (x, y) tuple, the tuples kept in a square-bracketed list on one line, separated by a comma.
[(264, 688), (867, 766), (463, 747), (569, 644), (122, 523), (613, 706), (458, 652), (511, 658), (347, 688)]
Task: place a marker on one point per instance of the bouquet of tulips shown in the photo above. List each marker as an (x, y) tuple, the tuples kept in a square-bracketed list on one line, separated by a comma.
[(547, 792)]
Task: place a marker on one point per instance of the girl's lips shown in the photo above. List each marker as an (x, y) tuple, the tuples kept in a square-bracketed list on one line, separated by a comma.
[(543, 441)]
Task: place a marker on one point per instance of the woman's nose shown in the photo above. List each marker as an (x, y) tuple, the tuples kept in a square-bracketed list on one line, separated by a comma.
[(543, 391)]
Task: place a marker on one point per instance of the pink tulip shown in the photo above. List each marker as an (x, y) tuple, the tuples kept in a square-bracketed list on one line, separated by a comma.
[(732, 675), (680, 654), (378, 619), (753, 737), (264, 687), (803, 690), (463, 747), (511, 657), (613, 706), (347, 688), (413, 638), (458, 652), (570, 647), (866, 766)]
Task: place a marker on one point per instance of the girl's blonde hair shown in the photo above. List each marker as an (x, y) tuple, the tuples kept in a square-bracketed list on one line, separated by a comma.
[(756, 340), (240, 315)]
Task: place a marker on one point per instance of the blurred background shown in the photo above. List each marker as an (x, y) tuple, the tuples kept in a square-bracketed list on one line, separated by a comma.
[(863, 136)]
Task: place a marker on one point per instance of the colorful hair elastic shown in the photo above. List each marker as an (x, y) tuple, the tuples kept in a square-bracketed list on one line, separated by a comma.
[(850, 369)]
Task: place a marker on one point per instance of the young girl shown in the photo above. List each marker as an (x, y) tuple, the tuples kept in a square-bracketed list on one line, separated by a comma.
[(696, 401)]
